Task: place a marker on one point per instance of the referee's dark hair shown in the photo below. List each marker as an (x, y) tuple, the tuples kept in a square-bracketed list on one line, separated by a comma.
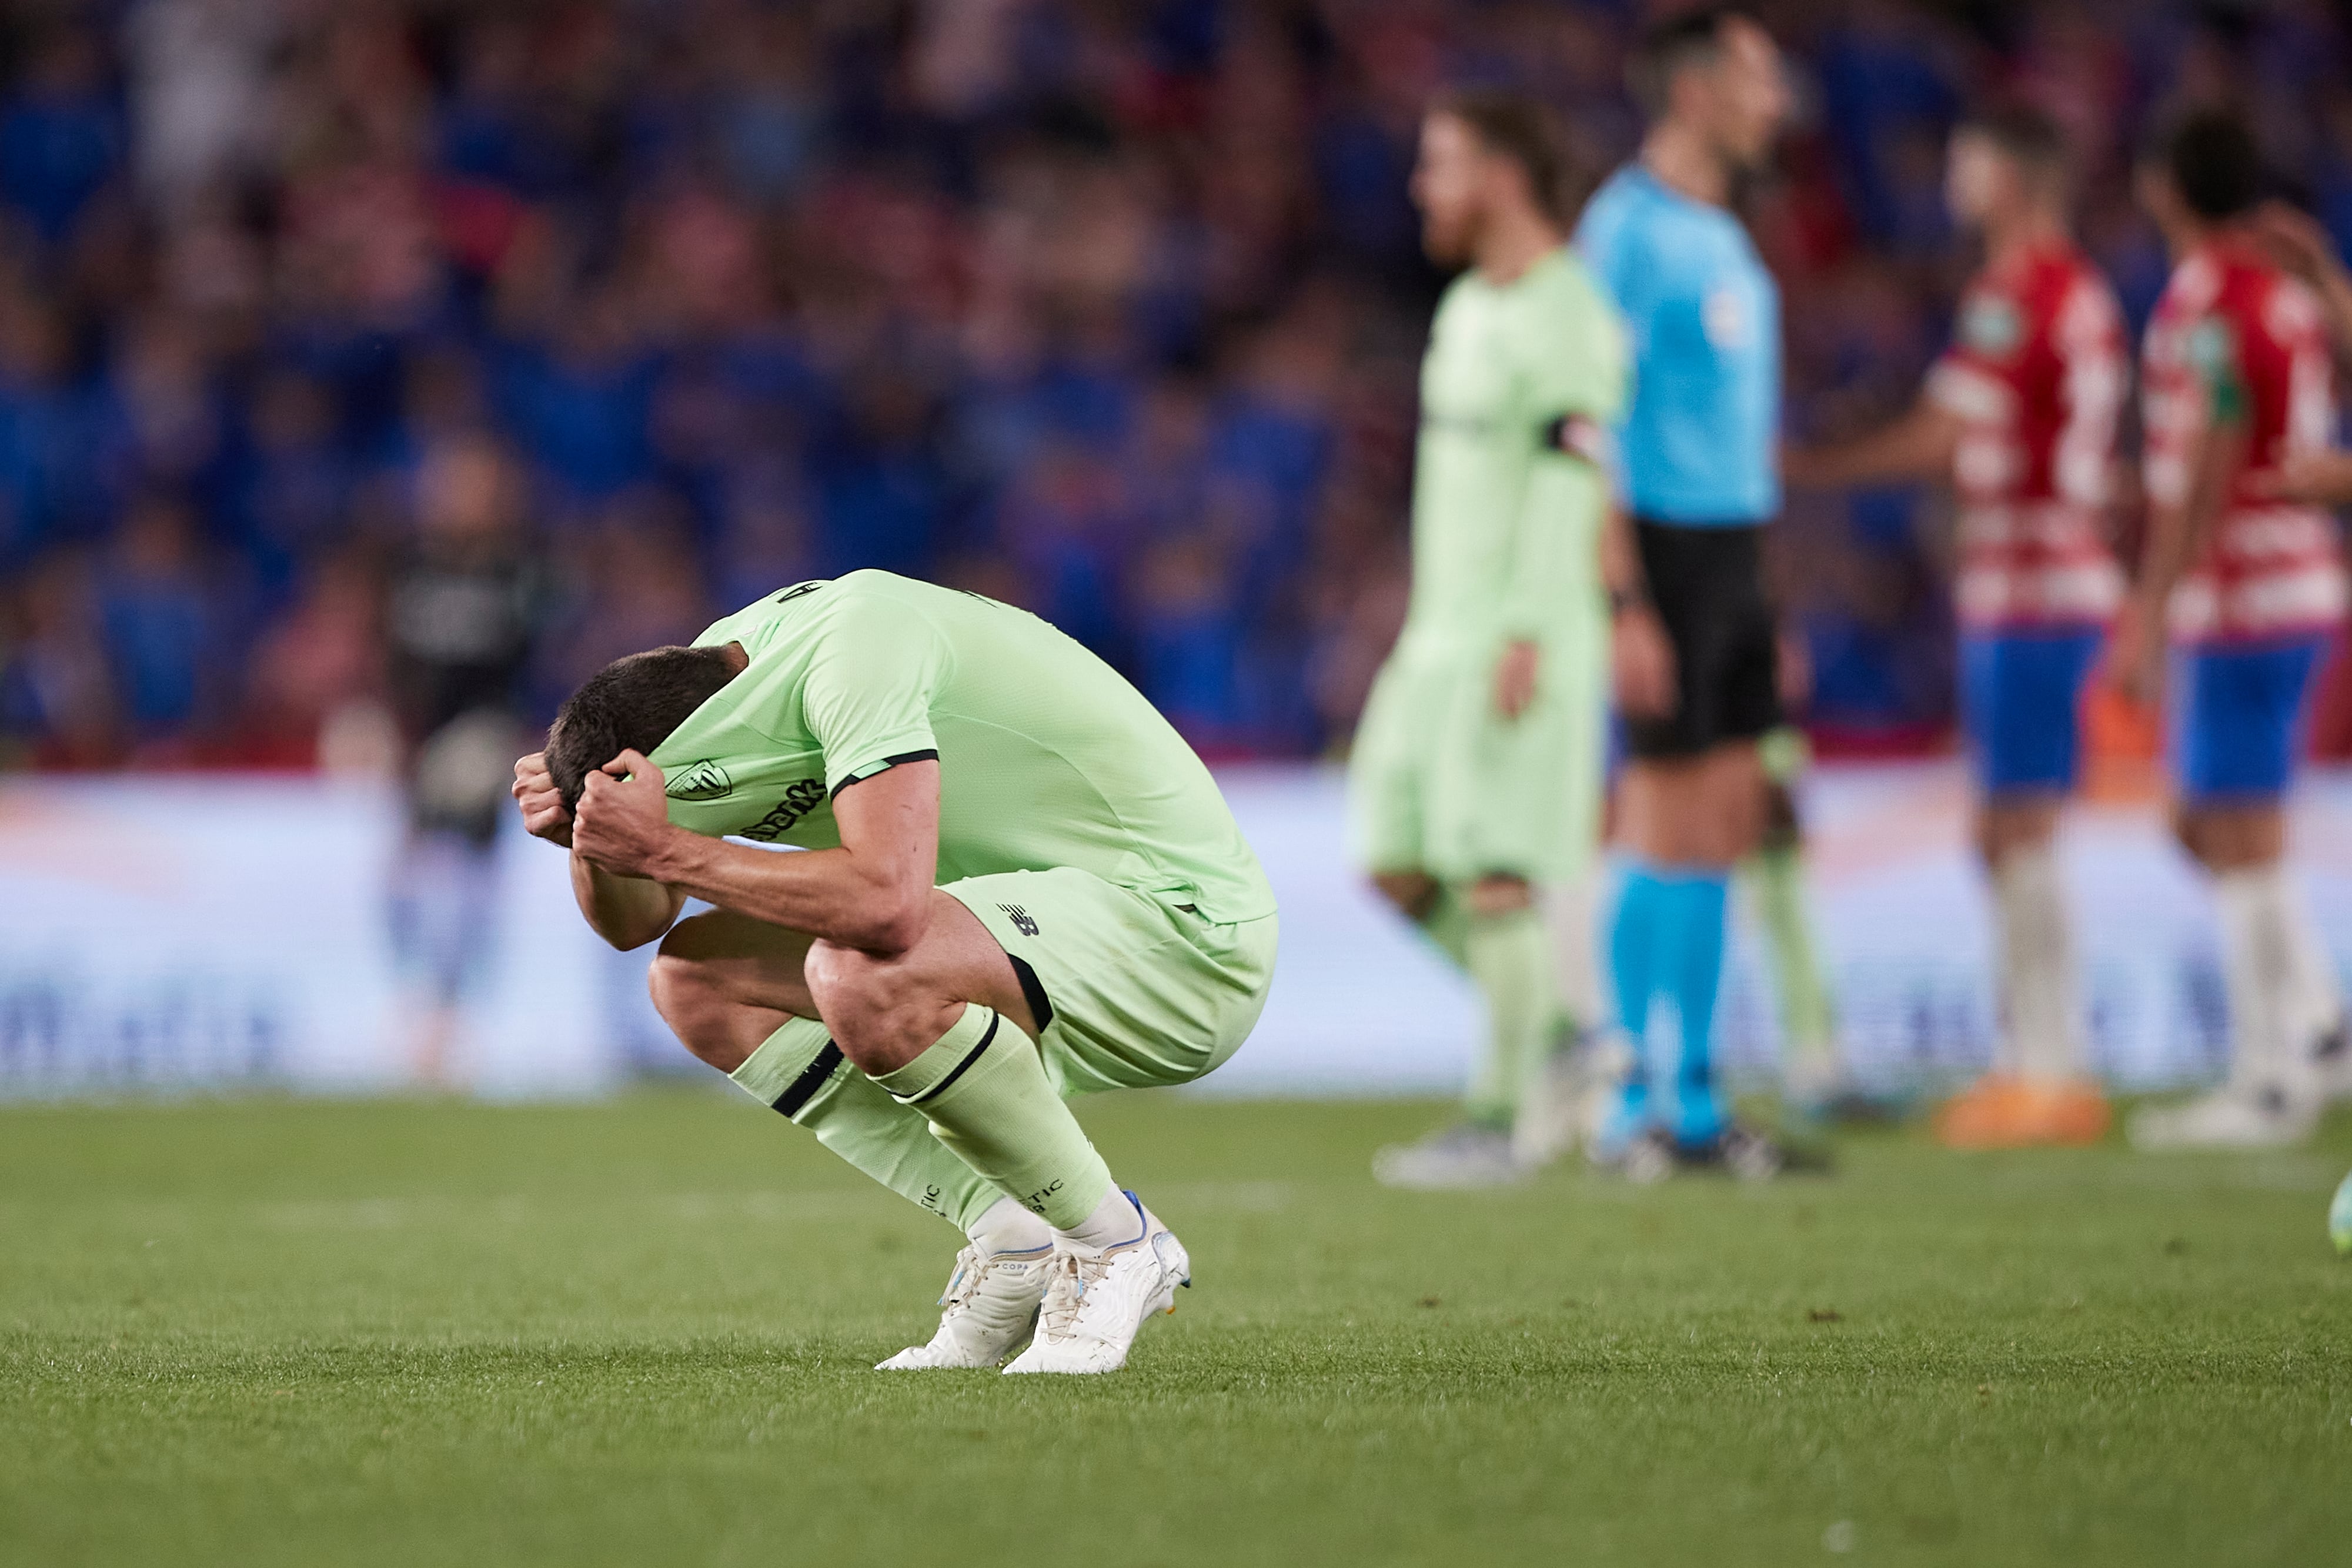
[(1693, 38), (2028, 136), (2214, 164), (1517, 127)]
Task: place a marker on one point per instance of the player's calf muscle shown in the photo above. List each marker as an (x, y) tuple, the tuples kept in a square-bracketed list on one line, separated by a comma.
[(715, 1026), (886, 1010), (724, 983)]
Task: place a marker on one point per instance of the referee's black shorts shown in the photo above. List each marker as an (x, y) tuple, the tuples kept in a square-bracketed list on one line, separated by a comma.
[(1708, 583)]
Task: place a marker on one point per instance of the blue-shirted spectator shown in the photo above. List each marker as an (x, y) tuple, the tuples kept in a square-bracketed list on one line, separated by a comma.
[(160, 609), (838, 291), (61, 134)]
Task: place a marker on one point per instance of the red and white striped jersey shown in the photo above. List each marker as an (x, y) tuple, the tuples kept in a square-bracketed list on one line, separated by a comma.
[(2036, 375), (2235, 338)]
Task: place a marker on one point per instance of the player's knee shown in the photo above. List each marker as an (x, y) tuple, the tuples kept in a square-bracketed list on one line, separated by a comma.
[(882, 1011), (1500, 893), (1414, 893), (2191, 830), (854, 990), (2014, 824)]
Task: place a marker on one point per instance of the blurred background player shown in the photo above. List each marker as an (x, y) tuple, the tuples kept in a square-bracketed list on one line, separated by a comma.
[(1814, 1082), (1475, 778), (466, 603), (2238, 379), (2020, 414), (2298, 243), (1698, 668)]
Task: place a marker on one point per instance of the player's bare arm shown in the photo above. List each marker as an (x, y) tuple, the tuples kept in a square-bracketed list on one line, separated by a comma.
[(1515, 676), (2177, 533), (1918, 445), (2301, 246), (1640, 657), (873, 894), (2313, 478), (626, 911)]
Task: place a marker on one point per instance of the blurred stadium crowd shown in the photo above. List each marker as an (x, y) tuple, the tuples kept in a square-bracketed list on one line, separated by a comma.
[(625, 311)]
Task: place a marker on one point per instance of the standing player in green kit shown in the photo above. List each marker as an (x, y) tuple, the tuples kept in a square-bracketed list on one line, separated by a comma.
[(1476, 780), (1021, 884)]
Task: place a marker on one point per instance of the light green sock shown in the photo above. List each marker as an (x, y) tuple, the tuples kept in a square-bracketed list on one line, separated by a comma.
[(990, 1103), (799, 1071), (1806, 1019), (1509, 958)]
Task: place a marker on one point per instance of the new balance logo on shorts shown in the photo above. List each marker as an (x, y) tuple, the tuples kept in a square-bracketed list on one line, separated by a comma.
[(1022, 921)]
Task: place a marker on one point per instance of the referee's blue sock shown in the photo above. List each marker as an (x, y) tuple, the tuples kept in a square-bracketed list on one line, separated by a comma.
[(1691, 971), (1637, 939)]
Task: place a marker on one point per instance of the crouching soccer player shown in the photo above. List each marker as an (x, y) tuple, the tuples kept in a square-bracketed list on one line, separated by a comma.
[(2020, 414), (1476, 777), (1022, 885)]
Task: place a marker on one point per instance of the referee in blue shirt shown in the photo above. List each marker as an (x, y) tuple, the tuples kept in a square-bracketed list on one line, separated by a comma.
[(1696, 638)]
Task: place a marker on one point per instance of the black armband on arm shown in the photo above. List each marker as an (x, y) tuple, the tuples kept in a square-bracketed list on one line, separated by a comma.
[(1575, 435)]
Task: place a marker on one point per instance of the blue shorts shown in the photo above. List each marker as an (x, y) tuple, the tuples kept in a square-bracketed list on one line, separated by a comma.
[(2019, 694), (2236, 712)]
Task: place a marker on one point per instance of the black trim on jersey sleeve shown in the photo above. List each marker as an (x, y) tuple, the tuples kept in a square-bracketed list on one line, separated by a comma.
[(929, 755)]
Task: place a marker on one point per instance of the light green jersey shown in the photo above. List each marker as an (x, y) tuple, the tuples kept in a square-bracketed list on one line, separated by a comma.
[(1505, 524), (1047, 757)]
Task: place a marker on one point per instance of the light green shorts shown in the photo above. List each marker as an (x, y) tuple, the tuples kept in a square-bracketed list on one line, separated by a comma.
[(1441, 782), (1134, 993)]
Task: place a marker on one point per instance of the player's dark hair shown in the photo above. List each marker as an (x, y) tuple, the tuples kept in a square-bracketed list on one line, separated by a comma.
[(1693, 38), (2214, 164), (630, 704), (1515, 126), (2029, 136)]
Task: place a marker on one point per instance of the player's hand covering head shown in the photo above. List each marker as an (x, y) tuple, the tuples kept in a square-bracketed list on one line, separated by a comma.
[(632, 705)]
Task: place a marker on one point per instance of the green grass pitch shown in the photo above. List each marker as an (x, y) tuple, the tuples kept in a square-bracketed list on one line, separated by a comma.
[(639, 1333)]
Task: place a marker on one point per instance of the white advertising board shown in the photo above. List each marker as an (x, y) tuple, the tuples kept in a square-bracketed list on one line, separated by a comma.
[(164, 933)]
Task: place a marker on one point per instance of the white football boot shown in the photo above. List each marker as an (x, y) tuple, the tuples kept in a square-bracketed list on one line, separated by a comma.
[(1096, 1300), (2232, 1117), (991, 1303)]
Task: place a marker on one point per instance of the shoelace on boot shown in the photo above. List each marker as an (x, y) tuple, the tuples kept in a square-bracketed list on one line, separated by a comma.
[(971, 1265), (1065, 1291)]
